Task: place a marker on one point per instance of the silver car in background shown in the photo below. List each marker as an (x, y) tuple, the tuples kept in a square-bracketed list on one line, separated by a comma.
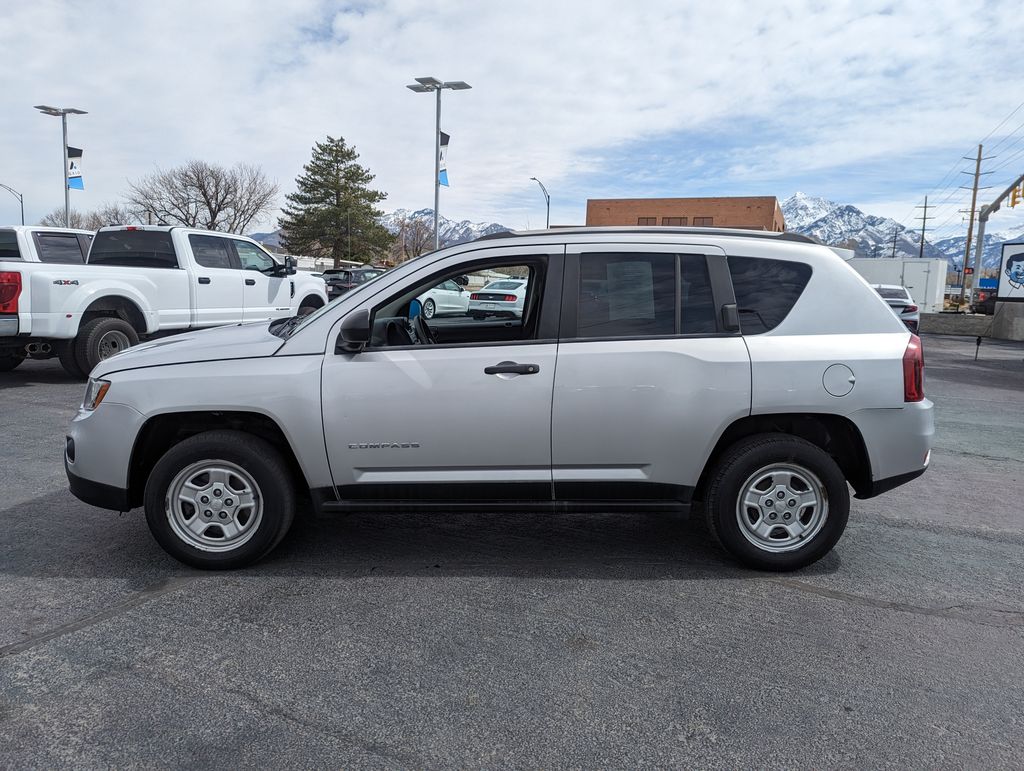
[(752, 376), (902, 304)]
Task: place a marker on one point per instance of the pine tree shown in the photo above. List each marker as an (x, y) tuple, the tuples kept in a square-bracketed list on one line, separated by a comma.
[(332, 215)]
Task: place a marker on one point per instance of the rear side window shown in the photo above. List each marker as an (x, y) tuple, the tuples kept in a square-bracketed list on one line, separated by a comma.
[(644, 295), (766, 290), (9, 245), (65, 249), (133, 249), (211, 251)]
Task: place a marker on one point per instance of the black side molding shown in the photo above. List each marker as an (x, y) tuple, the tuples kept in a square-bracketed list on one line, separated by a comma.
[(97, 494), (879, 486)]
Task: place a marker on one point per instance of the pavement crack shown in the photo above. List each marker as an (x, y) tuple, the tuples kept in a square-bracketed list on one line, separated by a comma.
[(997, 617), (152, 592)]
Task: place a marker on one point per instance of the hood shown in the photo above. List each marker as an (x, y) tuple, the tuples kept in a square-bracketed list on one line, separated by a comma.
[(240, 341)]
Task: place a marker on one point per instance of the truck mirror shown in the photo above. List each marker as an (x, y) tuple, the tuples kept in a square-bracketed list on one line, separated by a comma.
[(290, 265), (355, 332)]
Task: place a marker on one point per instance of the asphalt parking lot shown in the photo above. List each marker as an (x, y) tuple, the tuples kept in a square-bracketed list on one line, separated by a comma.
[(618, 640)]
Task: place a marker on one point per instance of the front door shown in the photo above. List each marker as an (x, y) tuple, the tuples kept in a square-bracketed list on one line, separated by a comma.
[(447, 408), (266, 294), (647, 376)]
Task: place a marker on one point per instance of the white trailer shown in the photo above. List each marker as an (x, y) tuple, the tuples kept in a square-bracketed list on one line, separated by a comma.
[(924, 279)]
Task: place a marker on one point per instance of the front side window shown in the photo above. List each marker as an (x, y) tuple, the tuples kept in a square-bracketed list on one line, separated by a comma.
[(9, 245), (133, 249), (644, 295), (253, 258), (211, 251), (766, 290)]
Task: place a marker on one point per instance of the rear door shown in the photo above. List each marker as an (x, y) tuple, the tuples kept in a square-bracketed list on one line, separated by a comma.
[(218, 289), (647, 374), (267, 295)]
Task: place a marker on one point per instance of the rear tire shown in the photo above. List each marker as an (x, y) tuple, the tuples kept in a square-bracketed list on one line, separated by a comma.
[(777, 502), (68, 360), (9, 362), (248, 482), (429, 309), (100, 339)]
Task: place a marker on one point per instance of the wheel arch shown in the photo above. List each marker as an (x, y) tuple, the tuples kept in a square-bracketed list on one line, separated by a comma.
[(161, 432), (116, 306), (835, 434), (312, 301)]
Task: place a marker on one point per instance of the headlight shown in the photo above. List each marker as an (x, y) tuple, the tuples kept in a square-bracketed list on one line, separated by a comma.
[(94, 393)]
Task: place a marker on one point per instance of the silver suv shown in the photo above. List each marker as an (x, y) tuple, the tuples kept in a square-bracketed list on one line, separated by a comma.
[(752, 375)]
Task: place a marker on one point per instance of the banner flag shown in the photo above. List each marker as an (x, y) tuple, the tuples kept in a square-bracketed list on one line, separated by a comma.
[(442, 176), (75, 168)]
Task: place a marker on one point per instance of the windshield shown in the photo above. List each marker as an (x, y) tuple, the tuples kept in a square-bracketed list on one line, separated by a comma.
[(286, 330)]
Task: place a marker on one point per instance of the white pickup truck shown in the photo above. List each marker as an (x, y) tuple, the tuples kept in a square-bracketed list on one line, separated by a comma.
[(139, 282)]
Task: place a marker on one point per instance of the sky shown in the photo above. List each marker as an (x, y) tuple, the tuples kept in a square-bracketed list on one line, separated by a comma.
[(871, 103)]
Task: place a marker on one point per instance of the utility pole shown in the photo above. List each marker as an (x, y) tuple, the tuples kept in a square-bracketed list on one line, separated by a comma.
[(924, 223), (895, 234), (970, 223)]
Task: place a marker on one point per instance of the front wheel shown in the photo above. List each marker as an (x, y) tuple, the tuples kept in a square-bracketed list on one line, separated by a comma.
[(777, 502), (220, 500)]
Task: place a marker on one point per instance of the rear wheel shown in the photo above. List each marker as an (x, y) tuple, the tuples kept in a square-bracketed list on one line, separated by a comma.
[(429, 309), (100, 339), (777, 502), (9, 361), (220, 500), (68, 360)]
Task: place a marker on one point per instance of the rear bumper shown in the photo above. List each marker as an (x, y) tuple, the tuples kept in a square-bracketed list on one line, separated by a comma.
[(898, 442), (8, 325), (879, 486)]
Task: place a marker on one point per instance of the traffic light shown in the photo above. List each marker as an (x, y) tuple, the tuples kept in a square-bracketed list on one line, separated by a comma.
[(1016, 195)]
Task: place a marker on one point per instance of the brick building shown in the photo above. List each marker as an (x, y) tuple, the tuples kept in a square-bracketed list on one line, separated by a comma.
[(754, 213)]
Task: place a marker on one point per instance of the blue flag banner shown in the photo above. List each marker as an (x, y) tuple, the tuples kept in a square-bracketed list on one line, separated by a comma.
[(75, 168), (442, 176)]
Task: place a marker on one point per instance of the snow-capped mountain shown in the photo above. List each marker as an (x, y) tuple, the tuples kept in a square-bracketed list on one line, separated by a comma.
[(872, 236), (452, 232)]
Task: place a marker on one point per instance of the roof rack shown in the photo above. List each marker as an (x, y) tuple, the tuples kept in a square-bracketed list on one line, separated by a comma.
[(730, 232)]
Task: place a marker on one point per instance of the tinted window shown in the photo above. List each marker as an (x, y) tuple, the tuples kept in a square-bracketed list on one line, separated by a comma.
[(625, 295), (210, 251), (133, 249), (893, 294), (253, 258), (9, 245), (766, 290), (59, 248), (696, 302)]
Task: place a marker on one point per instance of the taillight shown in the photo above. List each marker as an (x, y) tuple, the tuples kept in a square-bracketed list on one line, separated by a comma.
[(474, 296), (913, 371), (509, 298), (910, 309), (10, 290)]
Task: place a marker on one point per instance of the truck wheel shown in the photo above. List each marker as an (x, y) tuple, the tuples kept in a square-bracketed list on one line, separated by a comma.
[(9, 361), (68, 360), (100, 339), (305, 310), (777, 502), (220, 500)]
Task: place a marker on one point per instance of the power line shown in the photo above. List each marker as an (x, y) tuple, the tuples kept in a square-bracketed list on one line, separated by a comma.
[(1013, 112), (1012, 133)]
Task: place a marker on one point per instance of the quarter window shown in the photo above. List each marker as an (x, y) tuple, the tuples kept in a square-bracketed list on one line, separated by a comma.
[(133, 249), (211, 251), (644, 295), (9, 245), (60, 248), (766, 290)]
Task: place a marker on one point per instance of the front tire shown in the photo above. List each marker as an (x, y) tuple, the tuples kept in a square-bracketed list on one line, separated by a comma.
[(777, 502), (220, 500), (101, 338)]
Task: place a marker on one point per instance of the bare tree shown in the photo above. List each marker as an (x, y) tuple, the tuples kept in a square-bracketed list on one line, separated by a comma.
[(414, 237), (108, 214), (204, 195)]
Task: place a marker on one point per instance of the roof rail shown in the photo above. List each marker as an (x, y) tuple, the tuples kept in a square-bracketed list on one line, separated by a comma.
[(729, 232)]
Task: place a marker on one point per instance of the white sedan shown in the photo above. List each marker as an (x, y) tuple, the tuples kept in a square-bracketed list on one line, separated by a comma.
[(499, 298), (447, 298)]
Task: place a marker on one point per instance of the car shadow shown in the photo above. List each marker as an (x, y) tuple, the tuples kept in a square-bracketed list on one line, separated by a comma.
[(58, 536), (37, 372)]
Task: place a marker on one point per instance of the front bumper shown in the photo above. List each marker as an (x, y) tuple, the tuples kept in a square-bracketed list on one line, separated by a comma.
[(98, 453), (96, 493)]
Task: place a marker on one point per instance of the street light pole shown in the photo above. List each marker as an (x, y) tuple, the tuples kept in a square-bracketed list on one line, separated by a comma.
[(423, 86), (19, 196), (63, 112), (547, 199)]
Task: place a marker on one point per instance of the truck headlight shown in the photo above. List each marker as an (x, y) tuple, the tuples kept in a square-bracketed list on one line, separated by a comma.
[(94, 393)]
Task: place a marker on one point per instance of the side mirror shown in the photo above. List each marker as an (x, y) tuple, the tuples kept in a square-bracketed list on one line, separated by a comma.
[(290, 265), (355, 332), (462, 280)]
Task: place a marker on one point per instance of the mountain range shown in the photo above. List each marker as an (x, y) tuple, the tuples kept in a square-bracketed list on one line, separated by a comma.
[(831, 223)]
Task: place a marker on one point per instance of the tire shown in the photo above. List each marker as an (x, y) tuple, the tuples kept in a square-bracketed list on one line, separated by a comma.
[(429, 309), (775, 534), (101, 338), (305, 309), (246, 462), (68, 360), (10, 361)]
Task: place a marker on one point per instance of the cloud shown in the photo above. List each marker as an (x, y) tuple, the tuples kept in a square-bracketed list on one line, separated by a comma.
[(595, 96)]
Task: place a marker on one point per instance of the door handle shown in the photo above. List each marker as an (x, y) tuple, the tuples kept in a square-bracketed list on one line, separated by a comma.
[(204, 279), (250, 282), (512, 368)]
